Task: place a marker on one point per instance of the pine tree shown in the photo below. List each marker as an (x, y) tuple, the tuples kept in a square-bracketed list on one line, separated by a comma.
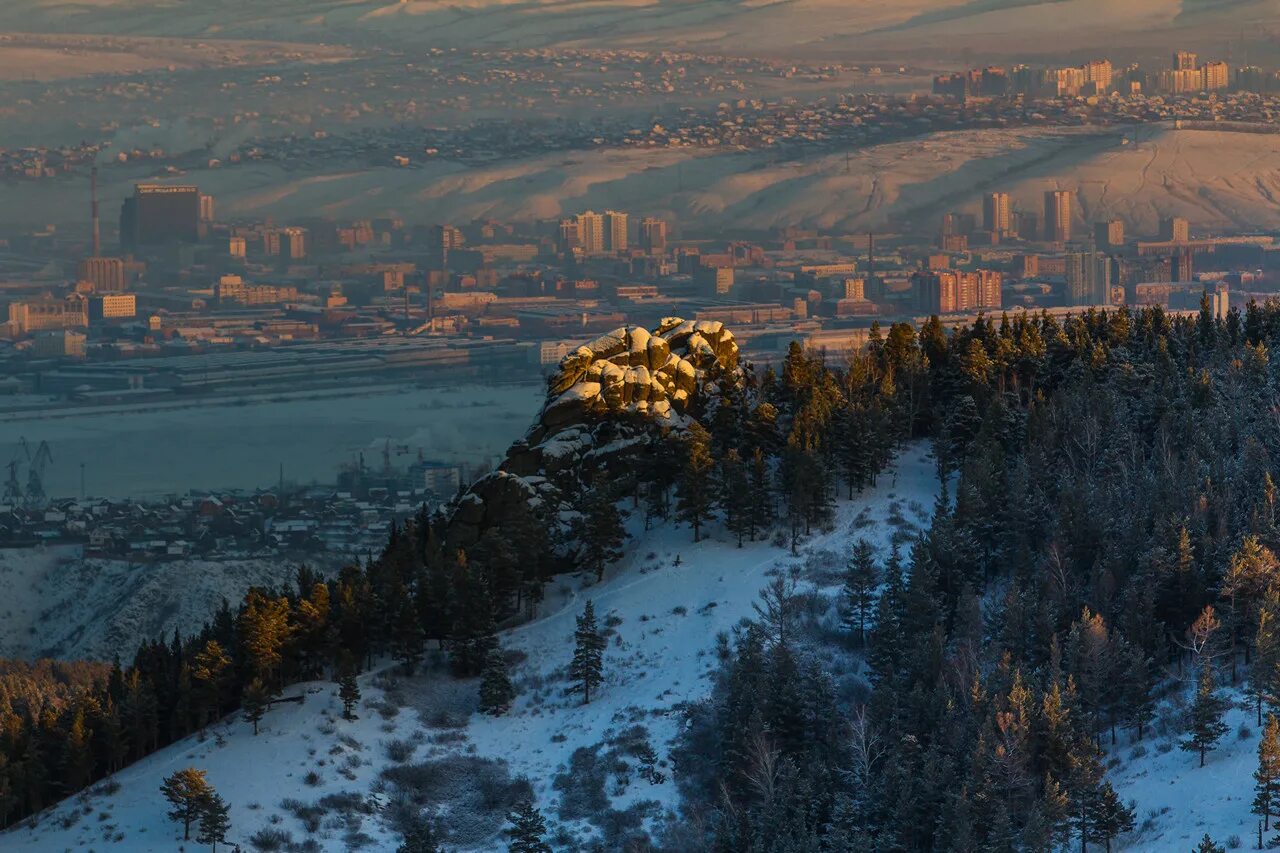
[(348, 687), (419, 839), (587, 667), (527, 828), (1207, 727), (860, 581), (254, 702), (77, 755), (1108, 817), (473, 634), (406, 631), (696, 491), (887, 637), (215, 820), (186, 790), (1266, 801), (735, 496), (210, 676), (760, 503), (496, 690), (1207, 845), (599, 530), (264, 627)]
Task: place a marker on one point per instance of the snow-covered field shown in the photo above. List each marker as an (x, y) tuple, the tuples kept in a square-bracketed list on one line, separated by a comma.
[(57, 604), (665, 618), (228, 445)]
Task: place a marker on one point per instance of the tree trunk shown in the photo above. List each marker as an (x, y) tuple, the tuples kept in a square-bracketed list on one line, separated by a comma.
[(1202, 756)]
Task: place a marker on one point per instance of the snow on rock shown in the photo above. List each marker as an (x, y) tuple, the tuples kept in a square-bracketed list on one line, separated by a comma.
[(663, 617), (606, 396)]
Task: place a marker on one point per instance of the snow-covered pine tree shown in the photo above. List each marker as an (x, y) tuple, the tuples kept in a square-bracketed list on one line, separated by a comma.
[(496, 690), (587, 668), (859, 592), (1207, 727), (527, 828)]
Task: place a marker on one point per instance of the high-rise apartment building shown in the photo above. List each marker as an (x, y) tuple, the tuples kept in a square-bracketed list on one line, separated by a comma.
[(997, 214), (1183, 60), (1217, 75), (293, 243), (952, 291), (1057, 216), (1109, 234), (1088, 278), (653, 236), (1175, 229), (615, 231), (446, 238), (591, 232), (1099, 73)]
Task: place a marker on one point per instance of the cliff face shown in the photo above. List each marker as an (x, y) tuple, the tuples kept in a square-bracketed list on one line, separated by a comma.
[(604, 404)]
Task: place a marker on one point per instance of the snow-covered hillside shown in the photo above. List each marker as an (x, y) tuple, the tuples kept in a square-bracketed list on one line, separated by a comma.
[(58, 604), (1217, 180), (1177, 800), (311, 775)]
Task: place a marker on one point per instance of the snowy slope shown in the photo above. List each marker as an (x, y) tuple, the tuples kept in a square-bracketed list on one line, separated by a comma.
[(665, 618), (1177, 800), (1217, 180), (60, 605)]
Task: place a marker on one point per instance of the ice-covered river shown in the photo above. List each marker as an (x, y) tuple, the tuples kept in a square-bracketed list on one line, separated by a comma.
[(244, 444)]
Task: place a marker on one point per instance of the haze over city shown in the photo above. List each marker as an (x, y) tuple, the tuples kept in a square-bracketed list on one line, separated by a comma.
[(639, 425)]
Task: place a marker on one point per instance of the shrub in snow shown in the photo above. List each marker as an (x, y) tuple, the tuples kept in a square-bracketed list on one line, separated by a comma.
[(270, 840)]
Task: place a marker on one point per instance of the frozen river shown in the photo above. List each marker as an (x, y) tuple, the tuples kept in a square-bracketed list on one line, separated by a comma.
[(244, 444)]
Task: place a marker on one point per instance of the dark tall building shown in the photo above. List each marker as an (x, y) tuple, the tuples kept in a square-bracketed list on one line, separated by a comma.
[(157, 214)]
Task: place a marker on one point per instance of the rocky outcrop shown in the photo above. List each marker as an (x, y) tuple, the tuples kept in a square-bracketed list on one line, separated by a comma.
[(603, 405), (635, 371)]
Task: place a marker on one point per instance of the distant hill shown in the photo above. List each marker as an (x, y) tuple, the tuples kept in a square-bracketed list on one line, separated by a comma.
[(916, 28)]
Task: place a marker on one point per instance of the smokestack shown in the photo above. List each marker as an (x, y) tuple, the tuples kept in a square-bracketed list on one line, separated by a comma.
[(93, 211)]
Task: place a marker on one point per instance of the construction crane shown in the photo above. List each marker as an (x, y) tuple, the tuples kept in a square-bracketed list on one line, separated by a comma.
[(12, 486), (36, 497)]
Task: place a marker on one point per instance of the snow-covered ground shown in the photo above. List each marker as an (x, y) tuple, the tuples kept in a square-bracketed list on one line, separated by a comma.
[(58, 604), (1178, 801), (664, 618)]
